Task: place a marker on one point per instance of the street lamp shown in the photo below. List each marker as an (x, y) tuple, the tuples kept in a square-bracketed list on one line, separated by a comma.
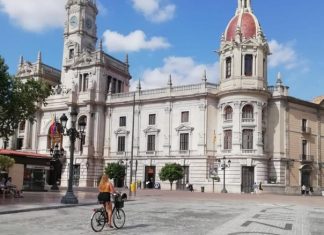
[(224, 165), (69, 197), (56, 154)]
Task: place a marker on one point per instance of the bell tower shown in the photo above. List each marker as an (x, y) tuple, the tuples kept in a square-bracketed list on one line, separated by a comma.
[(80, 31), (244, 51)]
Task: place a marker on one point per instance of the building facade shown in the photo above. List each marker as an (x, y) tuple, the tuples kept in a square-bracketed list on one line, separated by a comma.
[(267, 135)]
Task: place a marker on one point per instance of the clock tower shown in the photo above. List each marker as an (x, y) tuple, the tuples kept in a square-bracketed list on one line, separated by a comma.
[(80, 31)]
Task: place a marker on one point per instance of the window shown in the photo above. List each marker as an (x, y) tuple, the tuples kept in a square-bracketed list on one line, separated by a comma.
[(304, 149), (119, 87), (304, 125), (152, 119), (122, 121), (248, 62), (184, 141), (113, 86), (151, 143), (71, 53), (22, 126), (247, 112), (108, 83), (228, 67), (185, 116), (80, 82), (247, 139), (228, 113), (228, 139), (121, 144), (82, 140), (85, 81)]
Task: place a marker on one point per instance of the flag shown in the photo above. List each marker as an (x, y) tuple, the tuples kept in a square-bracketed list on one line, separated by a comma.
[(53, 126)]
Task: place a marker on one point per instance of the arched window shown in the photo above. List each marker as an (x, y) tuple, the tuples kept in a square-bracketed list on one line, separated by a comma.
[(248, 65), (81, 141), (228, 67), (228, 113), (22, 126), (247, 113)]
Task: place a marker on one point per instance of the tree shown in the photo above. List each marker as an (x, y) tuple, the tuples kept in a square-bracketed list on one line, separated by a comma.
[(6, 162), (19, 100), (171, 172), (115, 171)]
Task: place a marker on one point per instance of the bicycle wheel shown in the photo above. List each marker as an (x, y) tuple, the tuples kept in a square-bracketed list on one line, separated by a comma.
[(98, 220), (119, 218)]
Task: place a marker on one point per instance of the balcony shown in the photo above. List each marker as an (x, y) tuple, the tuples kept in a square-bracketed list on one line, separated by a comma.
[(306, 130), (248, 151), (306, 158), (248, 120)]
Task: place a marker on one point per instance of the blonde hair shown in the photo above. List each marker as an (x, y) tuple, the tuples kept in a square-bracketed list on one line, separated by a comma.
[(103, 183)]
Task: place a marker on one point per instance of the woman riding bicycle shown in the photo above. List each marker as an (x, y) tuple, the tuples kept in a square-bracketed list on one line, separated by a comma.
[(106, 189)]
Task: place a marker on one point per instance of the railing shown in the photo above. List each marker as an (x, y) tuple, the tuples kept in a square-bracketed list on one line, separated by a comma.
[(306, 158), (247, 119), (249, 151), (226, 150), (306, 130)]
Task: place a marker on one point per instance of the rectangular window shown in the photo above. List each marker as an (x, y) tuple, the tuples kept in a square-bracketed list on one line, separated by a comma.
[(304, 125), (304, 148), (71, 53), (184, 141), (228, 139), (228, 67), (152, 119), (119, 86), (121, 144), (122, 121), (248, 60), (247, 139), (185, 116), (151, 143), (20, 142), (113, 86), (85, 81), (80, 82)]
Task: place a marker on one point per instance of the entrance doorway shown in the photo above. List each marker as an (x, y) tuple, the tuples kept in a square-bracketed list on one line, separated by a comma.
[(181, 184), (247, 179), (306, 171), (149, 176)]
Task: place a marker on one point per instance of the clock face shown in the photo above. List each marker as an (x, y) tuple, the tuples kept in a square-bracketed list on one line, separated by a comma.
[(88, 23), (73, 21)]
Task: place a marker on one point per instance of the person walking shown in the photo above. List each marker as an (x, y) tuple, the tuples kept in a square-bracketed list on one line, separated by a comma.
[(255, 188), (105, 190), (303, 190)]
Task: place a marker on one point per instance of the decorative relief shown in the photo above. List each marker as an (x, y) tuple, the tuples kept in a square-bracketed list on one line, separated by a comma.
[(122, 131), (184, 128), (26, 69), (202, 107), (59, 90), (85, 58), (151, 130)]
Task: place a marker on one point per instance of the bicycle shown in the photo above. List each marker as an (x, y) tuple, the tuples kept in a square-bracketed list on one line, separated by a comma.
[(99, 217)]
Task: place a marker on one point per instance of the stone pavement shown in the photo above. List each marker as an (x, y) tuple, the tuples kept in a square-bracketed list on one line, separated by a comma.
[(87, 196), (165, 212)]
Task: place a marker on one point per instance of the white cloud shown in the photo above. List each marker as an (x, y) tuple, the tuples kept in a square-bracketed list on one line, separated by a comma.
[(134, 41), (183, 70), (154, 11), (282, 55), (35, 15)]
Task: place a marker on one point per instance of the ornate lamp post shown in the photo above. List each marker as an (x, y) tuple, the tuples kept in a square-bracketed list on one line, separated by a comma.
[(69, 197), (56, 154), (224, 165)]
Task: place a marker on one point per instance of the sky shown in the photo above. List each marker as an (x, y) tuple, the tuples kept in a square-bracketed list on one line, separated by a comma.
[(174, 37)]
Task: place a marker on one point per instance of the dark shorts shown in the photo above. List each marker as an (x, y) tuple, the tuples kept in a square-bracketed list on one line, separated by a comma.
[(104, 197)]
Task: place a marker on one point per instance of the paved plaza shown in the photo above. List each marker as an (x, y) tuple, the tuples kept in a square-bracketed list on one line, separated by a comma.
[(165, 212)]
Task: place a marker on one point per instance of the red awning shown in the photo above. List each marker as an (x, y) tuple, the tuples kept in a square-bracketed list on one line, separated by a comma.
[(23, 154)]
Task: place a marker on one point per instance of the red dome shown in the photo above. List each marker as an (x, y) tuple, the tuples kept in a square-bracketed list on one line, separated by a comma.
[(246, 22)]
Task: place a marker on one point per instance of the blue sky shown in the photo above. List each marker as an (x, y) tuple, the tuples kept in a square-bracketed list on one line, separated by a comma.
[(176, 37)]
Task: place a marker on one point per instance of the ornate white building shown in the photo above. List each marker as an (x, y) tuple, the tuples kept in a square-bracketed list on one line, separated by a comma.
[(267, 135)]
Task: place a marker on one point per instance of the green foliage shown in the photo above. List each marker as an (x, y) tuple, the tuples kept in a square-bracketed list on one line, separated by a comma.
[(18, 101), (115, 171), (171, 172), (6, 162)]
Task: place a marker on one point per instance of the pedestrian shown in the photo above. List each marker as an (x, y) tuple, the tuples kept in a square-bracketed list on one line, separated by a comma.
[(303, 190), (255, 187), (260, 186), (105, 190)]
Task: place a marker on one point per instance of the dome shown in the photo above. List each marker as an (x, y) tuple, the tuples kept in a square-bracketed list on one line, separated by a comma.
[(246, 22)]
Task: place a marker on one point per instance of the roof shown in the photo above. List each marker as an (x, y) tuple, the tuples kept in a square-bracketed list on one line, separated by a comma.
[(23, 154)]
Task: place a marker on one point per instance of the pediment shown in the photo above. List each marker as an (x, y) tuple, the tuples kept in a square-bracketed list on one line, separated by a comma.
[(184, 128), (151, 129), (122, 131)]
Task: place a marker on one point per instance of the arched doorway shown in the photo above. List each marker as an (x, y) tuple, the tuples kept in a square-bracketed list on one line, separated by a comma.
[(305, 172)]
